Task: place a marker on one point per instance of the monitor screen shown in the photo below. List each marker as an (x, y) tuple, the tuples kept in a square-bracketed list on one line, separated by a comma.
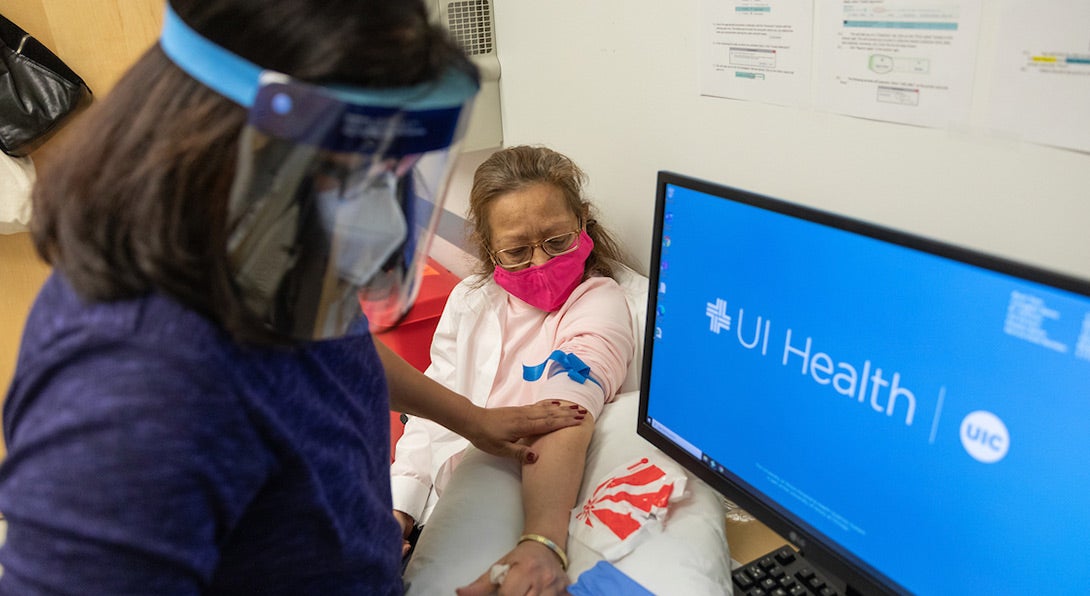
[(913, 416)]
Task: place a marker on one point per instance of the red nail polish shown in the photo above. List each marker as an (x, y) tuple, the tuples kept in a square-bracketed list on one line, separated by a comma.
[(573, 407), (531, 457), (579, 417), (556, 403)]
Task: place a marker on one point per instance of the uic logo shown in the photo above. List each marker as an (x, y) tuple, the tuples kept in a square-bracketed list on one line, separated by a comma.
[(985, 437)]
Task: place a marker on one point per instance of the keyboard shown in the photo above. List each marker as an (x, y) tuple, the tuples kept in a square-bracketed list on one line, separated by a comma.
[(782, 572)]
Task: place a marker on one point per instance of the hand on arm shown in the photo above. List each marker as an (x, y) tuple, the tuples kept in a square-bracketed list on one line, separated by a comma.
[(406, 522), (549, 490), (495, 430)]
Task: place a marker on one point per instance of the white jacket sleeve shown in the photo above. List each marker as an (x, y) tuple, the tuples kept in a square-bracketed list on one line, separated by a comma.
[(425, 446), (411, 472)]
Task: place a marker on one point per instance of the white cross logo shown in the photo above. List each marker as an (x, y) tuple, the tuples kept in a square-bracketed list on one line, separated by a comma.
[(717, 312)]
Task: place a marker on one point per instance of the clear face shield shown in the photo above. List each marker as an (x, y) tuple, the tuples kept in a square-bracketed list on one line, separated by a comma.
[(334, 205), (337, 195)]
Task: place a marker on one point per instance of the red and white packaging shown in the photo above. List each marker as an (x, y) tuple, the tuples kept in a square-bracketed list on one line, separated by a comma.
[(631, 503)]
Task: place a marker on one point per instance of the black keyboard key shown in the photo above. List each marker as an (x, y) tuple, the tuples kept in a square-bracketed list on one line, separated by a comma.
[(785, 556), (780, 573), (742, 580)]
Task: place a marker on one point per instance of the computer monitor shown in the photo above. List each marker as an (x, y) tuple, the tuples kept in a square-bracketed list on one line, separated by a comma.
[(913, 416)]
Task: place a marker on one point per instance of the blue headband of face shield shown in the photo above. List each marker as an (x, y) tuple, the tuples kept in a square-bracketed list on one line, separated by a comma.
[(338, 189)]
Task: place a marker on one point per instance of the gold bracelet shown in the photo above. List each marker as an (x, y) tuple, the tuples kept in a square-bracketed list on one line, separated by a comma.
[(559, 552)]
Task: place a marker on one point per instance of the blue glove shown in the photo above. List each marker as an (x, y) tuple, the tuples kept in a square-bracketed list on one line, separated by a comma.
[(606, 580)]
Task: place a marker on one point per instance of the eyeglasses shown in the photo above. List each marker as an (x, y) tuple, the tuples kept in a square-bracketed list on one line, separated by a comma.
[(518, 256)]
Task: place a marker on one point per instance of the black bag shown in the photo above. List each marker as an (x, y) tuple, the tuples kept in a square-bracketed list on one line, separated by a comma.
[(37, 91)]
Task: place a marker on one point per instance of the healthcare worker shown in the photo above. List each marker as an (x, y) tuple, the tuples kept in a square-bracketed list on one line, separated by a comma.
[(198, 406)]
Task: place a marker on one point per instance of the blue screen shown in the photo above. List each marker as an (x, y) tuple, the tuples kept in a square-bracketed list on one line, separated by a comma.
[(929, 416)]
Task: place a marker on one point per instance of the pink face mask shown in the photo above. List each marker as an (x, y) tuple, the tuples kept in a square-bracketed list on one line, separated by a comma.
[(548, 285)]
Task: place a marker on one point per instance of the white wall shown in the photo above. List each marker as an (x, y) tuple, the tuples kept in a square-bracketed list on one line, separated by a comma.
[(613, 84)]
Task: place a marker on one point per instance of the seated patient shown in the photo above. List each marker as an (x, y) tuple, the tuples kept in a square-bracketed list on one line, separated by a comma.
[(542, 320)]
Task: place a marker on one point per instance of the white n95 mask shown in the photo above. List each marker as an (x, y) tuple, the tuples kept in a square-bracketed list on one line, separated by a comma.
[(367, 223)]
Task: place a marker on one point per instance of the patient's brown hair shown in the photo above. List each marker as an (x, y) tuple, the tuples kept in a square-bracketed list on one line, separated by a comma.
[(515, 168)]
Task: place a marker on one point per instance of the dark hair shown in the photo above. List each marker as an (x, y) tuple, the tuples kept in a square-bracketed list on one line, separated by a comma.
[(137, 199), (516, 168)]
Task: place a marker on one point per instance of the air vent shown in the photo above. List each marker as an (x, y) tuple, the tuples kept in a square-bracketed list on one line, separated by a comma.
[(470, 24)]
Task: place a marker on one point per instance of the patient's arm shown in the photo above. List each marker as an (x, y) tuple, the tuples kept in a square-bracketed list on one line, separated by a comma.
[(492, 430), (549, 491)]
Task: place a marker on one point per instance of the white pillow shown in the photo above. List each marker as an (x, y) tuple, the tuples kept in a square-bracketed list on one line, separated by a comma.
[(479, 518)]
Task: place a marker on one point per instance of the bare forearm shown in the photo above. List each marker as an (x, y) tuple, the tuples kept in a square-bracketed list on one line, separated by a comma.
[(496, 430), (549, 490), (417, 395), (550, 487)]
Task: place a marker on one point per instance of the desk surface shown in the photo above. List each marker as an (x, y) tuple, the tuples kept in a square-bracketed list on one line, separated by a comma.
[(750, 539)]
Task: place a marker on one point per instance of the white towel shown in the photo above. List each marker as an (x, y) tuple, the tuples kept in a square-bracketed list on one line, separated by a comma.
[(17, 176)]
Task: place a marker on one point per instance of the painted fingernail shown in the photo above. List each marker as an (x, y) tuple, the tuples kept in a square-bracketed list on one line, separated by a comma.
[(573, 407), (531, 457), (582, 411), (556, 403), (579, 417)]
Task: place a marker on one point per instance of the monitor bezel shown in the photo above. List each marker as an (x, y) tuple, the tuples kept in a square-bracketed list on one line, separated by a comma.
[(818, 549)]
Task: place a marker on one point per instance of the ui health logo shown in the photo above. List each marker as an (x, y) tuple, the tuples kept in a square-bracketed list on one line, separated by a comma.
[(717, 312), (985, 437), (983, 434)]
